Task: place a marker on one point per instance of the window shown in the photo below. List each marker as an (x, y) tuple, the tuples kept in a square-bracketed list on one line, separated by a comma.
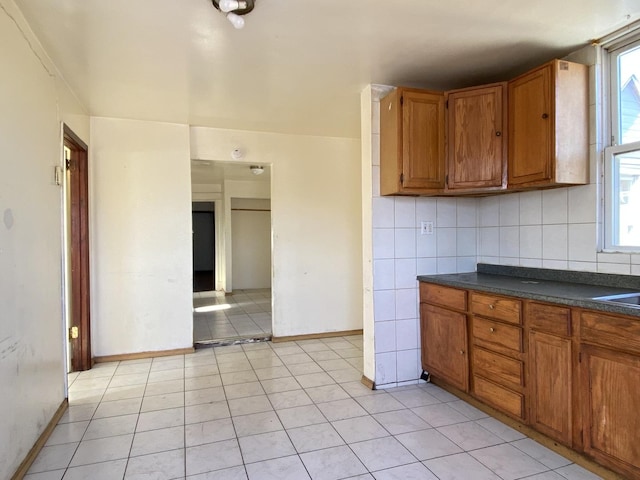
[(622, 157)]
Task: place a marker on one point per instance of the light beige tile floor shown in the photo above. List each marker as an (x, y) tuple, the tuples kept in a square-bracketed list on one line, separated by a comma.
[(282, 411), (245, 314)]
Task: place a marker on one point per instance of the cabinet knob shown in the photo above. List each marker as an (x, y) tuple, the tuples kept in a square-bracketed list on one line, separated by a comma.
[(498, 134), (491, 306), (461, 352), (545, 115), (492, 329)]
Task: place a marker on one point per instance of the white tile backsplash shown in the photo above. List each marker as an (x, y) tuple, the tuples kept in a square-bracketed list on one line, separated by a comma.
[(466, 242), (385, 336), (427, 266), (466, 264), (509, 210), (446, 242), (531, 241), (407, 365), (407, 334), (405, 273), (405, 243), (531, 208), (426, 210), (582, 242), (383, 212), (606, 257), (405, 212), (383, 243), (489, 212), (583, 202), (466, 212), (447, 264), (510, 241), (554, 206), (406, 303), (555, 242), (446, 212), (426, 245), (384, 305), (617, 268), (489, 242), (384, 274)]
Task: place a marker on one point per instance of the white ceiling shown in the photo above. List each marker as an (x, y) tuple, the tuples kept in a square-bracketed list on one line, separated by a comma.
[(208, 172), (298, 66)]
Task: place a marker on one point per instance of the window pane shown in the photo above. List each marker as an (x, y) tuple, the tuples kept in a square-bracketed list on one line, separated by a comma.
[(629, 95), (626, 191)]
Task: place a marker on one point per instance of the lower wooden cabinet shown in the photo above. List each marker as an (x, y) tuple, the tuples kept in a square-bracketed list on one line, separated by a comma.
[(571, 374), (444, 344), (611, 418), (550, 387)]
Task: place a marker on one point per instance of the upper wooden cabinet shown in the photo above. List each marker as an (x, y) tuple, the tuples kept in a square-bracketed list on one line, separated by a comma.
[(476, 138), (548, 126), (412, 142)]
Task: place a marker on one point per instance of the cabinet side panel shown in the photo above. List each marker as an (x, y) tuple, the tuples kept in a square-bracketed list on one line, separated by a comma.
[(390, 151), (572, 122)]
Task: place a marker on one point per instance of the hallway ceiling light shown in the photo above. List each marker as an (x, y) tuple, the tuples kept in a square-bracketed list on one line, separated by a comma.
[(256, 169), (234, 9)]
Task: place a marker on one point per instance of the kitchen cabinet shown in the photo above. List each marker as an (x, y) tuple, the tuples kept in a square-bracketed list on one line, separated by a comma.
[(610, 375), (477, 138), (550, 370), (497, 353), (444, 334), (548, 127), (571, 373), (412, 150)]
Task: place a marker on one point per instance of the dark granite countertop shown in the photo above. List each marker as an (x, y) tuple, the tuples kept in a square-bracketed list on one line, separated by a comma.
[(575, 289)]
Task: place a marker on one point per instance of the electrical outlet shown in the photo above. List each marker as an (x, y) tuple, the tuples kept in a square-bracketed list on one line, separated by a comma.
[(426, 228)]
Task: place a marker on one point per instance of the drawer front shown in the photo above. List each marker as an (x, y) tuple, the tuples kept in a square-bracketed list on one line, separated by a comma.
[(502, 398), (617, 332), (503, 369), (444, 296), (549, 318), (497, 333), (500, 308)]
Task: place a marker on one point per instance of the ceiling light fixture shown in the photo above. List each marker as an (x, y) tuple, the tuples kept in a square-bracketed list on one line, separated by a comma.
[(256, 169), (234, 9)]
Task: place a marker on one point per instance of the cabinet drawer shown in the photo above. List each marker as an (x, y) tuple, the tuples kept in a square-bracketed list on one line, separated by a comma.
[(497, 333), (502, 398), (505, 309), (618, 332), (444, 296), (493, 365), (549, 318)]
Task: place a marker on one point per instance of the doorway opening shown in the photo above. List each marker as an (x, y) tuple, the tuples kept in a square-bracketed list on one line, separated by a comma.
[(238, 203), (76, 195)]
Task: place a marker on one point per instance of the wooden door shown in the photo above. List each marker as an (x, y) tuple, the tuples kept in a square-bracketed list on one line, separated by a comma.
[(611, 389), (476, 138), (78, 181), (422, 140), (550, 383), (531, 127), (444, 345)]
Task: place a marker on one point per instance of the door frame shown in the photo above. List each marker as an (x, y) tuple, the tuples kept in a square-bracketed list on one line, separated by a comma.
[(77, 206)]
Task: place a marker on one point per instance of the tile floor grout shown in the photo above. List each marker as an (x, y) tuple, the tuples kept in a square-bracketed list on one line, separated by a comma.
[(271, 422)]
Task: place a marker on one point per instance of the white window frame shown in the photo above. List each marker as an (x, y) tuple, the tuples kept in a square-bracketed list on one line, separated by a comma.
[(612, 131)]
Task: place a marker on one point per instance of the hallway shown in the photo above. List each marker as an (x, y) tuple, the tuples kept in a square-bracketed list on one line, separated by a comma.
[(283, 411), (220, 318)]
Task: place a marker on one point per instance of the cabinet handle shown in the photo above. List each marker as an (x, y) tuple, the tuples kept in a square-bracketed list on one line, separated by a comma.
[(491, 306), (390, 107), (545, 115), (492, 329), (498, 134)]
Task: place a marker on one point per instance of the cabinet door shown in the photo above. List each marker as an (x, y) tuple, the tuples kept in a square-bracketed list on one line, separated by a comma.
[(530, 127), (476, 140), (444, 345), (611, 389), (551, 385), (422, 140)]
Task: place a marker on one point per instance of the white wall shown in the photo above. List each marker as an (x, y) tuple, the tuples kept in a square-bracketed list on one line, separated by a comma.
[(33, 102), (315, 201), (251, 243), (140, 190)]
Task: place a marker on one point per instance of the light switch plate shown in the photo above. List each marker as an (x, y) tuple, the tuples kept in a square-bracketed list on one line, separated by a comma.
[(426, 228)]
